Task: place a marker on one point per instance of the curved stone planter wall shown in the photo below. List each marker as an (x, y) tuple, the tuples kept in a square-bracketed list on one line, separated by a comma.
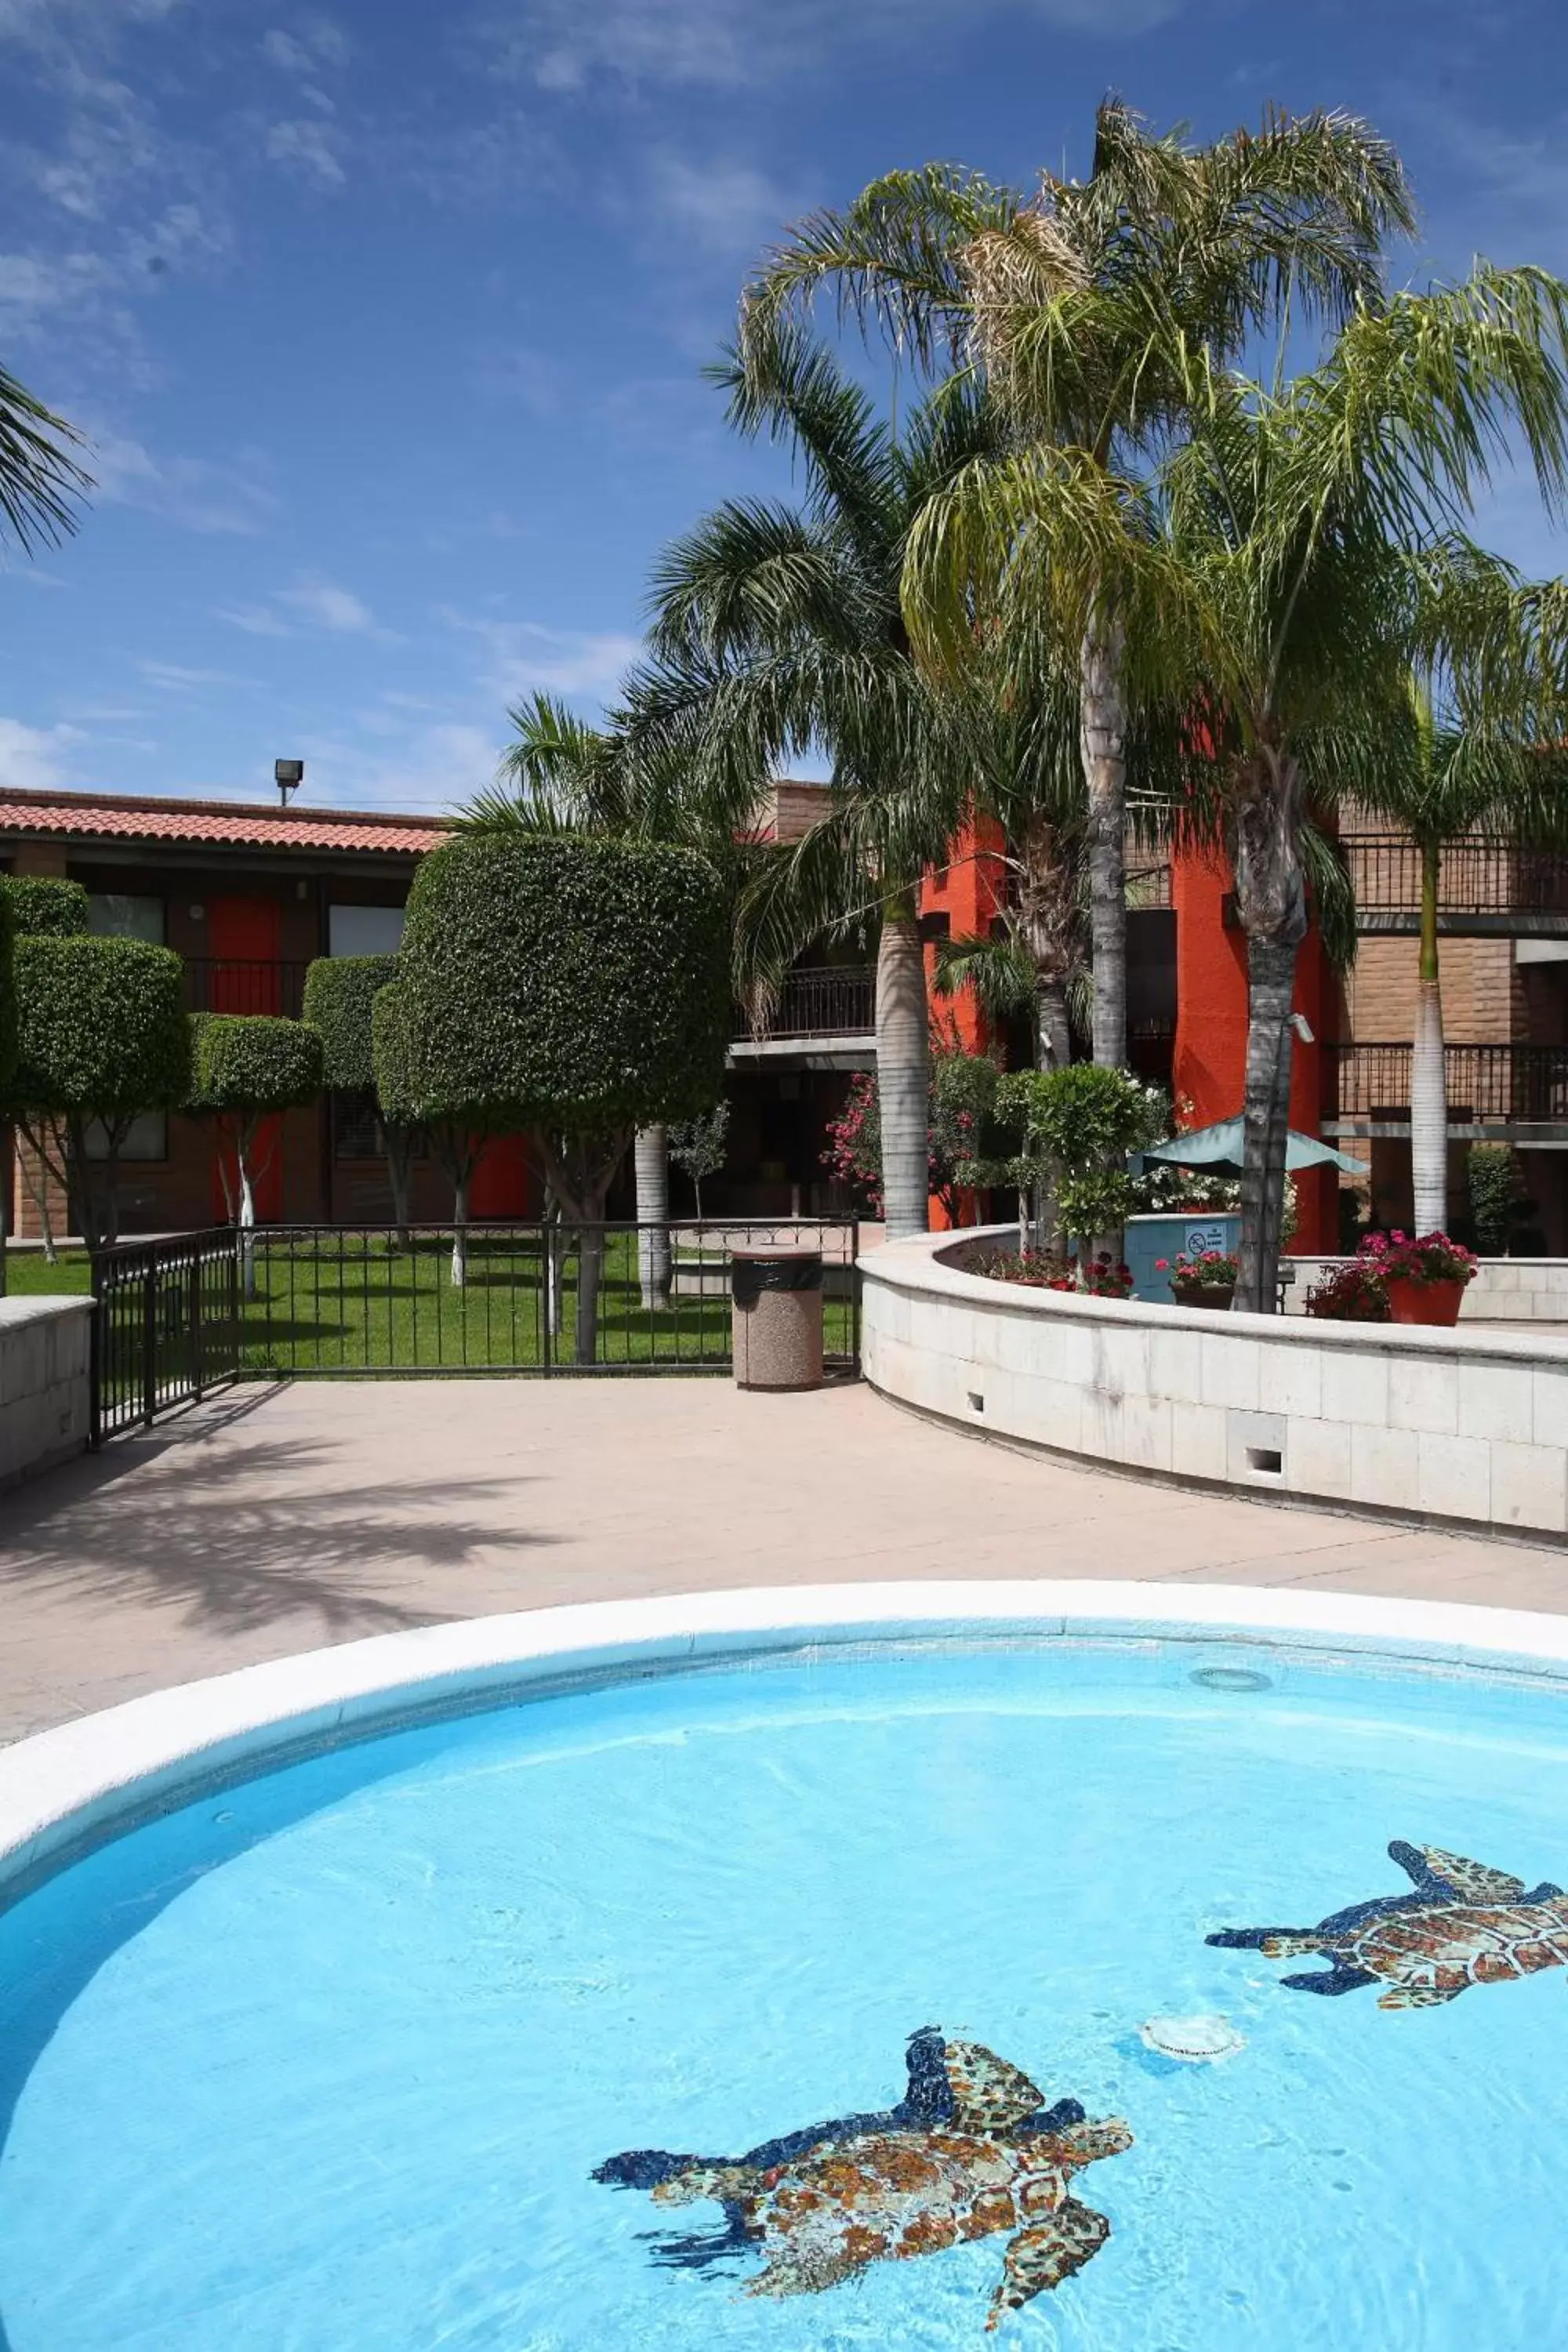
[(1461, 1425)]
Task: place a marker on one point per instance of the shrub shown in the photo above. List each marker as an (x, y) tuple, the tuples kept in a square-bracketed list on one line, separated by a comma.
[(1353, 1292), (102, 1036), (43, 906), (1498, 1205), (1210, 1269), (966, 1148), (339, 993)]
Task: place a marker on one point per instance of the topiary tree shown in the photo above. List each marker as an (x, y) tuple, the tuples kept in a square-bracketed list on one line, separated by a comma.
[(246, 1067), (38, 905), (1497, 1203), (578, 989), (1075, 1127), (44, 905), (455, 1136), (102, 1036), (340, 991)]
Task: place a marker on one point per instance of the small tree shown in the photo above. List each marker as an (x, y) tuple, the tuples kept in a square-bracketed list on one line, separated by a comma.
[(39, 905), (700, 1146), (578, 988), (247, 1068), (456, 1133), (1075, 1127), (1497, 1203), (102, 1036), (340, 991)]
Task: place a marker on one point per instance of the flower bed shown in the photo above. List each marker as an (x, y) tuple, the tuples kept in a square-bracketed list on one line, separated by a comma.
[(1097, 1278)]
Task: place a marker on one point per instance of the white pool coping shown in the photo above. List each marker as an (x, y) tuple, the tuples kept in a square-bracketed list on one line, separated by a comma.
[(63, 1790)]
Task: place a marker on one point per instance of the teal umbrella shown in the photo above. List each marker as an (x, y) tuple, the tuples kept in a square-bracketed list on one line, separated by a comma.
[(1221, 1147)]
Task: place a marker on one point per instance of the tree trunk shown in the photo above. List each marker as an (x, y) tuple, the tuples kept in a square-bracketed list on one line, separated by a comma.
[(903, 1070), (1271, 902), (589, 1269), (1428, 1088), (460, 1177), (1045, 919), (243, 1141), (650, 1159), (397, 1145), (38, 1170), (1103, 728)]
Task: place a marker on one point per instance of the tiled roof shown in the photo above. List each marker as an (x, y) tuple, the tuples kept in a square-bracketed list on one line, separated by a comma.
[(136, 817)]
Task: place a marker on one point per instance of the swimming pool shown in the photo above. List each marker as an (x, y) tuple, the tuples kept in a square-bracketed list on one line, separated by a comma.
[(560, 2023)]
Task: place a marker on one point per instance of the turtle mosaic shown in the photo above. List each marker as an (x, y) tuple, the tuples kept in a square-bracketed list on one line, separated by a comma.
[(1462, 1925), (969, 2151)]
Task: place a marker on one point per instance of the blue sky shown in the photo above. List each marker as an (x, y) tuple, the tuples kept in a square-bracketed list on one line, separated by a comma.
[(387, 321)]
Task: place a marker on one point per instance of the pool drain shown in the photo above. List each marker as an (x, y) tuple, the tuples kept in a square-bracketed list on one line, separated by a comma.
[(1230, 1678), (1200, 2040)]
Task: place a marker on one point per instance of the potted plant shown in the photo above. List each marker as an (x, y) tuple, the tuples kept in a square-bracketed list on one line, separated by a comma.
[(1425, 1275), (1353, 1293), (1206, 1279)]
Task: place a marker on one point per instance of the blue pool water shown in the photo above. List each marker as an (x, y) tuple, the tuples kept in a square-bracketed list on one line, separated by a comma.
[(328, 2060)]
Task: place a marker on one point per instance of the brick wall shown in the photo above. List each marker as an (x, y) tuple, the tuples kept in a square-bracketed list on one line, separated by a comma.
[(1479, 990)]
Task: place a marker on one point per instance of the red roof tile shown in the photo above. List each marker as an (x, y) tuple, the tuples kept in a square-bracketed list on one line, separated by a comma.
[(149, 818)]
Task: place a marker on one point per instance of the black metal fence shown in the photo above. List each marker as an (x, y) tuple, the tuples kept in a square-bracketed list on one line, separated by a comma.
[(167, 1326), (1474, 877), (245, 985), (178, 1317), (1527, 1083), (819, 1000)]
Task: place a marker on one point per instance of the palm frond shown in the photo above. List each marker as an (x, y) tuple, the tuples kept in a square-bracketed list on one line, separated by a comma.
[(40, 481)]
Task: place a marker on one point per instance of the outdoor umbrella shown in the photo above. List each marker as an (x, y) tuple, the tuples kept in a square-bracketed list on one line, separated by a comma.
[(1220, 1147)]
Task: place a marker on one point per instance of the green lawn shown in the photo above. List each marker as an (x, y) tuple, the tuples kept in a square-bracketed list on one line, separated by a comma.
[(353, 1303)]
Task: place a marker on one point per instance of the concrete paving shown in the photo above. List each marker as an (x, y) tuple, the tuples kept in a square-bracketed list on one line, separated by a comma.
[(282, 1519)]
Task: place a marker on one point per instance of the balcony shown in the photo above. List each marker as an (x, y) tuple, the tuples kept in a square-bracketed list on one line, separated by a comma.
[(245, 985), (1491, 1089), (825, 1017), (1484, 889)]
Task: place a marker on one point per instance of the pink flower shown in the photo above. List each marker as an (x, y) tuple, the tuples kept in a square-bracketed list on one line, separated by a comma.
[(1161, 1265)]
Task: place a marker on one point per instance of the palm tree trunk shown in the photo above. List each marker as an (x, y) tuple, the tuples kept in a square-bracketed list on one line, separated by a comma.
[(1428, 1089), (1045, 919), (1102, 728), (650, 1159), (903, 1069), (1271, 902)]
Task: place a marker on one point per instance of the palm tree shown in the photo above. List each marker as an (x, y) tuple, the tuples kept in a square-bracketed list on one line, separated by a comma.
[(1081, 309), (778, 631), (1485, 702), (1274, 580), (39, 479)]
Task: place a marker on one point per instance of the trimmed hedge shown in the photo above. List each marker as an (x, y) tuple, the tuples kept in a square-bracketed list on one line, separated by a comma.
[(103, 1031), (339, 993), (582, 985), (246, 1064), (43, 906)]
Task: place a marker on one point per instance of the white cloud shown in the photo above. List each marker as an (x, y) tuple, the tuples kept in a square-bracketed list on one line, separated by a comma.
[(36, 759), (725, 206), (174, 677), (524, 658), (308, 149), (569, 46), (316, 46), (195, 492), (323, 606)]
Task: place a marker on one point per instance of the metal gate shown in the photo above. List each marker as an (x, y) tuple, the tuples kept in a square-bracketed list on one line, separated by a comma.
[(178, 1317)]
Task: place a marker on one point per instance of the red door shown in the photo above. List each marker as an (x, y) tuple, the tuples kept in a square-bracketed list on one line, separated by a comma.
[(244, 975)]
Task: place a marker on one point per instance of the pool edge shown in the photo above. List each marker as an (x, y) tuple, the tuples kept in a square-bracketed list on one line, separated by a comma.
[(73, 1782)]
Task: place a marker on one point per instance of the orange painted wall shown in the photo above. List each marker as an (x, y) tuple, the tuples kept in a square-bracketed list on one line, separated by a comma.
[(970, 891), (1210, 1059)]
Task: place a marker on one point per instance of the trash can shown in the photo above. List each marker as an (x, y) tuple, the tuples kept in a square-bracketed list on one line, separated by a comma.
[(775, 1318)]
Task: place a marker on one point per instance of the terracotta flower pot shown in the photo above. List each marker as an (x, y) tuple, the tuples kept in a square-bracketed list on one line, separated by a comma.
[(1425, 1302), (1216, 1295)]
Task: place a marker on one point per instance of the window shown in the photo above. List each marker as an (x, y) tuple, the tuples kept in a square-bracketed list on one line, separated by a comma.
[(356, 1131), (115, 915), (363, 931), (147, 1139)]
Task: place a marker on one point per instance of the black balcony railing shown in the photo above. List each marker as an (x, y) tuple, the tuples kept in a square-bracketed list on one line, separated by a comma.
[(245, 985), (1528, 1084), (826, 1001), (1475, 878)]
